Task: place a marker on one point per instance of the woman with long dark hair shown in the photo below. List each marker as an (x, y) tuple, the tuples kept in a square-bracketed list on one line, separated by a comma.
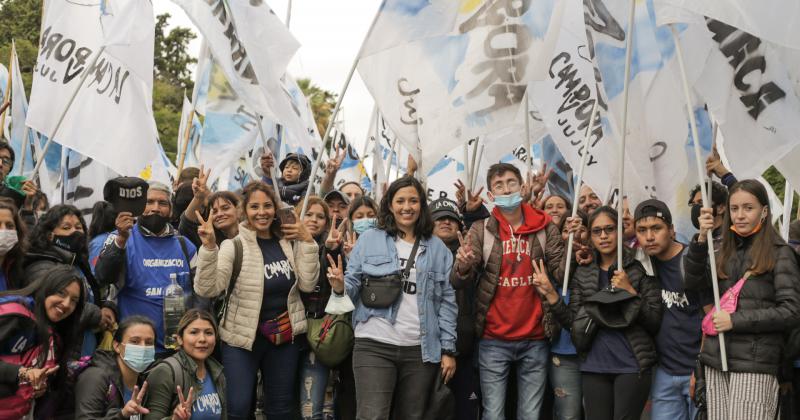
[(190, 383), (13, 245), (39, 325), (103, 223), (404, 340), (755, 260), (618, 352), (60, 238), (109, 388), (264, 312)]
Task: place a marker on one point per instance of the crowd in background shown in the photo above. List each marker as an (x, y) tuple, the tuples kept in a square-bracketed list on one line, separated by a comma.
[(341, 306)]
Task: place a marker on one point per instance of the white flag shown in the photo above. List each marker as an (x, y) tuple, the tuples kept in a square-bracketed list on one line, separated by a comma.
[(189, 121), (111, 119), (751, 87), (19, 132), (450, 88)]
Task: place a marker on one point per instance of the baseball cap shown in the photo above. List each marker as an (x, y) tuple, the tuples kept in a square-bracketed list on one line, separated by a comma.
[(652, 208), (337, 194), (444, 207), (126, 194)]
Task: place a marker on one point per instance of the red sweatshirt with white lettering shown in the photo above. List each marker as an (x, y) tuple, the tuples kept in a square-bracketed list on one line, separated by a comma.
[(516, 310)]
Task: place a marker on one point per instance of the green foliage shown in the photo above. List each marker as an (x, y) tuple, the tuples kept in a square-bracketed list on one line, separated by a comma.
[(778, 184), (21, 21), (322, 103), (172, 60)]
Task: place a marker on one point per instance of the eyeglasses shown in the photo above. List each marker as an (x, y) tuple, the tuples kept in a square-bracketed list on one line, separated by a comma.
[(608, 230), (511, 185), (6, 161)]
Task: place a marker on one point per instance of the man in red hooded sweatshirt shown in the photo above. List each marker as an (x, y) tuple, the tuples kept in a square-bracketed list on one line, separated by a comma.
[(498, 255)]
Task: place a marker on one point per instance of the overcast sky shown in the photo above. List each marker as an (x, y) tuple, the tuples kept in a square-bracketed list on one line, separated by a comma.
[(330, 33)]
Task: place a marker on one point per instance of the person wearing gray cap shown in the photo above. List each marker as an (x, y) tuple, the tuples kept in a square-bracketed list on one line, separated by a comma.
[(141, 255)]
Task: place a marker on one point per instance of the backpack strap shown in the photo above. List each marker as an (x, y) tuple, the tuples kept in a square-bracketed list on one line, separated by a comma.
[(238, 256), (541, 236), (184, 249), (178, 378)]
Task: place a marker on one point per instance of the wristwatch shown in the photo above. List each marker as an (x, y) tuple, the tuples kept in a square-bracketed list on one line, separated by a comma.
[(449, 353)]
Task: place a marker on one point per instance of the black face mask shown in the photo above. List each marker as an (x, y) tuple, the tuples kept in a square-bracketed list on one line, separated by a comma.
[(155, 222), (696, 214), (74, 242)]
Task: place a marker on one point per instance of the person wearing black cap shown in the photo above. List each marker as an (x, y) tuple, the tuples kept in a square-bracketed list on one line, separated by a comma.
[(15, 193), (338, 202), (678, 339), (719, 198), (293, 183), (140, 256), (614, 316), (447, 224)]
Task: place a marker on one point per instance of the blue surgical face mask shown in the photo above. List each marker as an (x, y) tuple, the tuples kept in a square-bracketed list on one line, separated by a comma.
[(138, 358), (362, 225), (508, 202)]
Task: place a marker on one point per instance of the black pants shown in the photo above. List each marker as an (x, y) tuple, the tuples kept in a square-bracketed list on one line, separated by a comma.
[(385, 374), (615, 396)]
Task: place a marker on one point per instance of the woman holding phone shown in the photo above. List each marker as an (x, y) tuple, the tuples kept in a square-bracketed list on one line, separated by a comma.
[(264, 310)]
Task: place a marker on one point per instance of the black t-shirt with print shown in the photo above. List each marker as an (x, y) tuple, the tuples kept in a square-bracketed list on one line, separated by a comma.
[(278, 279)]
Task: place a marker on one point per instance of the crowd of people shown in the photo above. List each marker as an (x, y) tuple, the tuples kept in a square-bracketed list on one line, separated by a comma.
[(394, 309)]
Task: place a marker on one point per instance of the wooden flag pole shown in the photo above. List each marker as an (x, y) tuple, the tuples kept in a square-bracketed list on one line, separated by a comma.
[(187, 131), (66, 108), (704, 191), (621, 162), (584, 159), (335, 113)]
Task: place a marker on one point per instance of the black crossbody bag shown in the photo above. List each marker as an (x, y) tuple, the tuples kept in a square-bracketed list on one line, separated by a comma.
[(381, 292)]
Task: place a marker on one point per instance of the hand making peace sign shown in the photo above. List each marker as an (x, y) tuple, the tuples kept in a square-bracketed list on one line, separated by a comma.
[(134, 406), (336, 274), (200, 184), (465, 257), (205, 231), (183, 411)]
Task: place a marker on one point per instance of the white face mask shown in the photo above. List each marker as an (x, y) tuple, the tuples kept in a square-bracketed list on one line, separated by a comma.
[(8, 238)]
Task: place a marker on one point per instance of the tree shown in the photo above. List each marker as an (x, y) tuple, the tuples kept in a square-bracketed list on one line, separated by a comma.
[(322, 103), (172, 59)]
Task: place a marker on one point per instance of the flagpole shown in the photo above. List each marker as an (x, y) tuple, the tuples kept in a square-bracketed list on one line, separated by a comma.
[(628, 58), (475, 168), (7, 94), (584, 159), (187, 130), (335, 113), (273, 171), (288, 14), (788, 200), (704, 191), (528, 140), (472, 169), (467, 168), (391, 155), (66, 108)]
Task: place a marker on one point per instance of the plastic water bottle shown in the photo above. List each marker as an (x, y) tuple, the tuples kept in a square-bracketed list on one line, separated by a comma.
[(174, 309)]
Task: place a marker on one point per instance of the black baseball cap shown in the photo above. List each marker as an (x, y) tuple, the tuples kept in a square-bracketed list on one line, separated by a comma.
[(444, 207), (652, 208), (126, 194)]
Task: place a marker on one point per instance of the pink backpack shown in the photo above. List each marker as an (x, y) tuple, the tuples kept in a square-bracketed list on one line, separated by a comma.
[(728, 303)]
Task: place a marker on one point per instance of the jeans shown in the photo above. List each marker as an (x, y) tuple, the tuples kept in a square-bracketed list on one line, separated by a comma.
[(386, 373), (314, 383), (496, 359), (278, 365), (565, 379), (670, 397)]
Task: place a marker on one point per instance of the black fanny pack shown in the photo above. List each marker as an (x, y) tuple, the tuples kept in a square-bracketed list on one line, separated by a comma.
[(381, 292)]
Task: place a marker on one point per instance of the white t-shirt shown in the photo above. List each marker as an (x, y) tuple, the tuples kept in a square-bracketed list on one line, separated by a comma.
[(405, 331)]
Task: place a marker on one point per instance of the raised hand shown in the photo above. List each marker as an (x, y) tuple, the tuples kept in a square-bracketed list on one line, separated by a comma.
[(541, 281), (465, 257), (296, 232), (134, 406), (539, 180), (333, 164), (124, 224), (267, 161), (200, 184), (349, 243), (706, 221), (334, 236), (183, 411), (336, 274), (29, 188), (473, 198), (205, 231)]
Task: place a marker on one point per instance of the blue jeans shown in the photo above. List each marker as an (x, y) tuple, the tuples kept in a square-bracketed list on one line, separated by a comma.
[(314, 381), (565, 379), (670, 397), (278, 365), (496, 358)]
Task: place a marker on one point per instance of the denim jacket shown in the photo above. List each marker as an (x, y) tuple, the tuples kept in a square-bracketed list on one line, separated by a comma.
[(375, 254)]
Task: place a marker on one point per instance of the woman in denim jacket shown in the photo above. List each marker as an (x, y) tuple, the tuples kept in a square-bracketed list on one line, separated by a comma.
[(400, 350)]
